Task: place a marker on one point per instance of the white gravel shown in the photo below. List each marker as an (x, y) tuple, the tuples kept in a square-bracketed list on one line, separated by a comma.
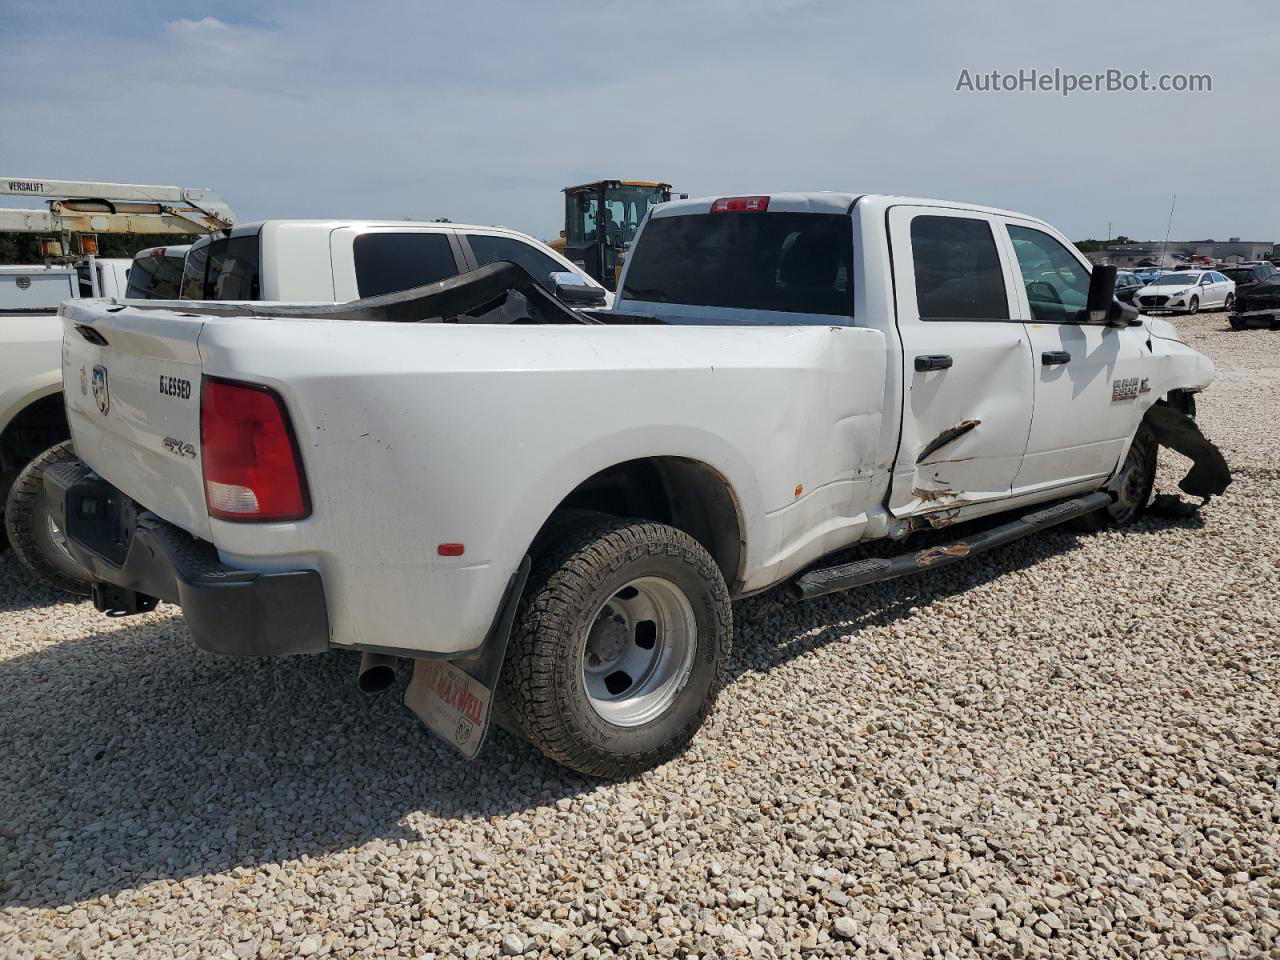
[(1067, 748)]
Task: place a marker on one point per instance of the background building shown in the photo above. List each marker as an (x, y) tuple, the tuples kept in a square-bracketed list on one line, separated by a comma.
[(1127, 255)]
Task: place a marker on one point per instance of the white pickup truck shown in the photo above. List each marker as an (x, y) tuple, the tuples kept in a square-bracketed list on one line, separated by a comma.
[(557, 507), (31, 411)]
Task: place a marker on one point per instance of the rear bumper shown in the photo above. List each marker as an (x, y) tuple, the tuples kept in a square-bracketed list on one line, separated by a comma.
[(135, 558)]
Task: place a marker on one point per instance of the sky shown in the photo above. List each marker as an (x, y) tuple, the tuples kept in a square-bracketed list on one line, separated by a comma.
[(482, 111)]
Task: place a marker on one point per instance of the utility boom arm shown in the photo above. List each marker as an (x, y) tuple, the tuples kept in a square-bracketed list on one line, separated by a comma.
[(83, 207)]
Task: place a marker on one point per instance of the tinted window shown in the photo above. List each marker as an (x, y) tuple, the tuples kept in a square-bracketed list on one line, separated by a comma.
[(193, 272), (788, 262), (1057, 283), (388, 262), (155, 278), (958, 275), (490, 249), (228, 270)]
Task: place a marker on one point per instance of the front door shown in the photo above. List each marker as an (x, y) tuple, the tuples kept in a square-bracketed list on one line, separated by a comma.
[(966, 363), (1087, 377)]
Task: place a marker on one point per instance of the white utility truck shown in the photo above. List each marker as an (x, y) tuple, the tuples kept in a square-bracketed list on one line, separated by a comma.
[(552, 510), (33, 426)]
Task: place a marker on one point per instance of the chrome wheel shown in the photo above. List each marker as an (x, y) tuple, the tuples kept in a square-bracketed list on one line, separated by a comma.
[(1132, 486), (638, 652)]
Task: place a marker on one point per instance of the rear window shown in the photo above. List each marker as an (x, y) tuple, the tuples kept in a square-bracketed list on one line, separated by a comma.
[(155, 278), (226, 269), (958, 274), (786, 262), (389, 262)]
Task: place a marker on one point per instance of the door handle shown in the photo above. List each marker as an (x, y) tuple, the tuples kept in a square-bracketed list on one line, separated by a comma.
[(937, 361), (1055, 358)]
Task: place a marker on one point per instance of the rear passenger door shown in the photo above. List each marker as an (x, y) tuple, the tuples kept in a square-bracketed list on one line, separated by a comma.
[(1087, 376), (966, 362)]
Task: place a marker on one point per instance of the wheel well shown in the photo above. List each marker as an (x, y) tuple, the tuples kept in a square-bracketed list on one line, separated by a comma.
[(683, 493), (38, 427)]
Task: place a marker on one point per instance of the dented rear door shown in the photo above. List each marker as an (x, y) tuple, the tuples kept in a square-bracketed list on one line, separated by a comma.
[(966, 359)]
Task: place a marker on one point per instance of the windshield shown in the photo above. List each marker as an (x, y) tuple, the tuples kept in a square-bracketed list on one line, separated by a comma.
[(624, 208), (790, 262), (1175, 280)]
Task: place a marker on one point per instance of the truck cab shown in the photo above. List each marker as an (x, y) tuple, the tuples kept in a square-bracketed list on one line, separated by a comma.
[(337, 261)]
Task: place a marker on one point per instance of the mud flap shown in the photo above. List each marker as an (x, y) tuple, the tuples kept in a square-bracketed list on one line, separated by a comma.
[(454, 698), (1209, 475)]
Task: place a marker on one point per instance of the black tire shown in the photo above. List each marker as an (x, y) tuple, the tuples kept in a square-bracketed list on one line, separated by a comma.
[(1136, 480), (1236, 321), (31, 534), (1194, 305), (543, 688)]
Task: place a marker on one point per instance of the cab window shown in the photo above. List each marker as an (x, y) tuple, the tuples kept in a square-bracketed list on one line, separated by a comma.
[(958, 274), (1057, 283), (490, 249), (391, 262)]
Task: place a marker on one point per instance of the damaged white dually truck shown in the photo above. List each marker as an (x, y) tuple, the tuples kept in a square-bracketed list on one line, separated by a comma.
[(549, 510)]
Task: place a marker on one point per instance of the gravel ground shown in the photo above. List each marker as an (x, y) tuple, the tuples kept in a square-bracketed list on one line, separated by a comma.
[(1067, 748)]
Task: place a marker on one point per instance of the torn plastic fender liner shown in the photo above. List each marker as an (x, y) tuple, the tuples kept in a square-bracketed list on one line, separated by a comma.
[(1209, 475)]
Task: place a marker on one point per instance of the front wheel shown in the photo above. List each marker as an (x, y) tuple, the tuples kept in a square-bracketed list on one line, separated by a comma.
[(619, 647), (1131, 486), (1194, 305), (37, 540)]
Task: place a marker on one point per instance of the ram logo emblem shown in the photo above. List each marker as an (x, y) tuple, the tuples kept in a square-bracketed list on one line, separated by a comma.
[(100, 394)]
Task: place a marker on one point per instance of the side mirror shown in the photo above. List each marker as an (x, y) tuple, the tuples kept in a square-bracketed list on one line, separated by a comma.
[(1205, 282), (1102, 293), (570, 289), (1122, 314)]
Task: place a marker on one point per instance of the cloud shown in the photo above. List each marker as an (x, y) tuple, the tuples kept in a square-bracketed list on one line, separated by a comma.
[(202, 27)]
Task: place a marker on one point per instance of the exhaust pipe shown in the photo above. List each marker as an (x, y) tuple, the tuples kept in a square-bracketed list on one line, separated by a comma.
[(377, 672)]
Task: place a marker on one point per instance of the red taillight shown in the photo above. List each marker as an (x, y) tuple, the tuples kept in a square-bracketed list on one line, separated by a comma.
[(252, 471), (740, 205)]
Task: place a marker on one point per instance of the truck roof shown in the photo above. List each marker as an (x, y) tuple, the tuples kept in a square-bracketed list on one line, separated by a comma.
[(823, 201), (243, 229)]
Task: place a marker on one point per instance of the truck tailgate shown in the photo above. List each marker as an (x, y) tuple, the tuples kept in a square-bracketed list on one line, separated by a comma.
[(132, 383)]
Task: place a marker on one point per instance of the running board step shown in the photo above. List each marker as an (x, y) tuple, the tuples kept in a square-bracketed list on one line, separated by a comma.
[(817, 583)]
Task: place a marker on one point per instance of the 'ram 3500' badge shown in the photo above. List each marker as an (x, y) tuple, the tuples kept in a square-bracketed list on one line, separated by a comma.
[(1128, 388)]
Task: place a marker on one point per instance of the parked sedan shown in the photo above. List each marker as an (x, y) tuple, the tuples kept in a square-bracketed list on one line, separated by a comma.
[(1259, 306), (1127, 285), (1248, 275), (1186, 291)]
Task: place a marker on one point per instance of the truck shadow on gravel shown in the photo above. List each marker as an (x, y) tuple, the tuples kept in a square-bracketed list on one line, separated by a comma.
[(130, 756), (22, 590)]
